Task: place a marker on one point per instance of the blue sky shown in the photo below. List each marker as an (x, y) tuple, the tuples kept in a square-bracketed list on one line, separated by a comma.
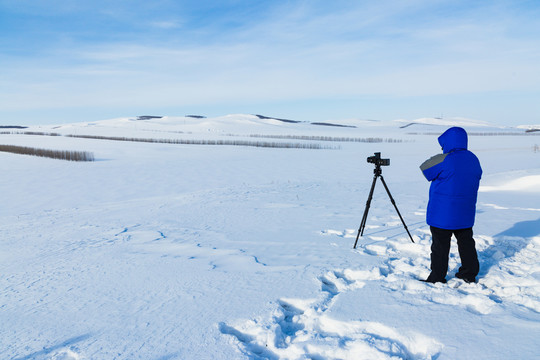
[(69, 60)]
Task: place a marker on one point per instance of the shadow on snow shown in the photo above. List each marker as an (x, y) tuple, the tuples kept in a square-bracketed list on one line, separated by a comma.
[(508, 243)]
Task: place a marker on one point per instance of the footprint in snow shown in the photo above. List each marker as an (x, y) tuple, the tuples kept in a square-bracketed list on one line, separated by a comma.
[(65, 354), (511, 272), (185, 243), (300, 329)]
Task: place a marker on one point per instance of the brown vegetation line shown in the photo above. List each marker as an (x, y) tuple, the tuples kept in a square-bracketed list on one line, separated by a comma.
[(53, 154)]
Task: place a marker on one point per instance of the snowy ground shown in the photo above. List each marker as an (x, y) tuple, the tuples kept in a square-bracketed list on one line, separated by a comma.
[(161, 251)]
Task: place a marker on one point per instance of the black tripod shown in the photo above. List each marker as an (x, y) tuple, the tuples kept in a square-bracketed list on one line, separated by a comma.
[(378, 174)]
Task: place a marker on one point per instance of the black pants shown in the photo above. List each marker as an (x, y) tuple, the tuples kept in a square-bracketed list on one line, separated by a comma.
[(440, 250)]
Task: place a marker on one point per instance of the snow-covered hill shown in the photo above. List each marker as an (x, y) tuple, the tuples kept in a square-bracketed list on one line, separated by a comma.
[(249, 124), (178, 251), (440, 121)]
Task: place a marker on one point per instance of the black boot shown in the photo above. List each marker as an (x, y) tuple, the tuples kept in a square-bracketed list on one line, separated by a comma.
[(432, 280), (467, 279)]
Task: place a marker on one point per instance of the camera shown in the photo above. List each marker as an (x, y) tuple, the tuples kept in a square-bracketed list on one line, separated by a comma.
[(376, 159)]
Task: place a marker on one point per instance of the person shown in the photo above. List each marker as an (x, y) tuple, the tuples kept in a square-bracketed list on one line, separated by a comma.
[(455, 177)]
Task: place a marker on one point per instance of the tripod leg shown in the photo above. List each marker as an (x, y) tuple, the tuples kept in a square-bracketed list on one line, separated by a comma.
[(366, 210), (395, 206)]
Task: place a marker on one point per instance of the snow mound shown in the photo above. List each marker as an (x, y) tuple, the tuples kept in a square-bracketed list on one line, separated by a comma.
[(529, 127), (452, 121), (529, 183)]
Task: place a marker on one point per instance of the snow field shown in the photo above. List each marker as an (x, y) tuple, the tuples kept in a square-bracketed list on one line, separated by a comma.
[(160, 251)]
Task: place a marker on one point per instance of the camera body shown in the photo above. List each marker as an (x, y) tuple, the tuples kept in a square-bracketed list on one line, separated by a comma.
[(376, 159)]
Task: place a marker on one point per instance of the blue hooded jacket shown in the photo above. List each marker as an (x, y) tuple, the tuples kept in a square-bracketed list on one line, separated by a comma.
[(455, 176)]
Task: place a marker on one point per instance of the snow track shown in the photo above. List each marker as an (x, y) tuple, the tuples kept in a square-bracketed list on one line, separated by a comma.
[(510, 272), (303, 329)]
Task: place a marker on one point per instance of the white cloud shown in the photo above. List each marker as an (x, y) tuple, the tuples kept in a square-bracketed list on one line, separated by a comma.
[(166, 24)]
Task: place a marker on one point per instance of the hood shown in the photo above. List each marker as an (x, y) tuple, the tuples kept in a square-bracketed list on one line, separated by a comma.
[(452, 139)]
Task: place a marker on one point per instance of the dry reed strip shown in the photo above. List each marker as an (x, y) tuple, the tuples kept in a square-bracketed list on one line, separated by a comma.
[(325, 138), (53, 154), (266, 144)]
